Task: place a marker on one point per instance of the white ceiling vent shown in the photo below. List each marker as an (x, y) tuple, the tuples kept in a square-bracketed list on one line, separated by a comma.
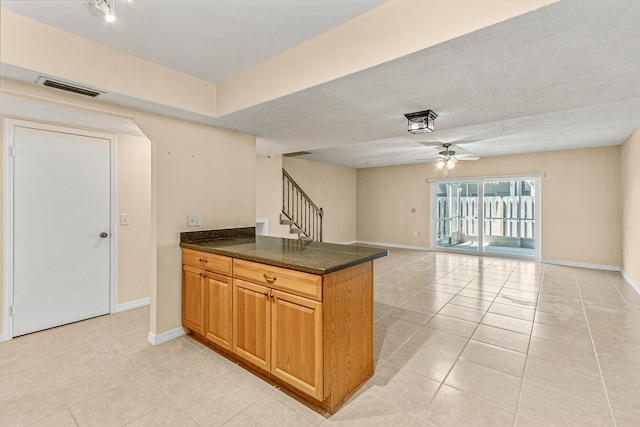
[(68, 87)]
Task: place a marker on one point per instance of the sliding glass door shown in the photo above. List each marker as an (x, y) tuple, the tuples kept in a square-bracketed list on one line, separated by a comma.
[(509, 217), (457, 215), (487, 215)]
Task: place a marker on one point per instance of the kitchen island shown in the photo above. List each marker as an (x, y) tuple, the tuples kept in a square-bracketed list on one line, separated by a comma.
[(298, 313)]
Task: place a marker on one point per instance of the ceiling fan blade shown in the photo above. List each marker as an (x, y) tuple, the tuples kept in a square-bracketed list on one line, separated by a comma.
[(430, 143), (467, 157)]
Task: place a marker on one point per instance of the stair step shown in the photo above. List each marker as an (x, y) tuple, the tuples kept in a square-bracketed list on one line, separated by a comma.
[(306, 238), (296, 230), (284, 220)]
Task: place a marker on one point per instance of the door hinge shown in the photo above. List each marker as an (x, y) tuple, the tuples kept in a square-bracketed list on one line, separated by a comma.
[(12, 310), (12, 150)]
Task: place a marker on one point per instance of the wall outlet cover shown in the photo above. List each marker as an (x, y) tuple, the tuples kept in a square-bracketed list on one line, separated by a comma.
[(193, 220)]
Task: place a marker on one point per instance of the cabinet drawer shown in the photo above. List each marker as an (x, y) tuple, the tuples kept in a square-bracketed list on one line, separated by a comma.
[(297, 282), (211, 262)]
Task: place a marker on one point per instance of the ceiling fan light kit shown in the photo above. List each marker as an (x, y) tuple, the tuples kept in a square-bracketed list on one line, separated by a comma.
[(448, 163), (421, 121), (105, 8)]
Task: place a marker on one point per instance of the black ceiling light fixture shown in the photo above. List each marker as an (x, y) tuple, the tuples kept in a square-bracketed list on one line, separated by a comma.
[(421, 122)]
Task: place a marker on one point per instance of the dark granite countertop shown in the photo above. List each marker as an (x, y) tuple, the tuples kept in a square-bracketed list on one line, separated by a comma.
[(311, 257)]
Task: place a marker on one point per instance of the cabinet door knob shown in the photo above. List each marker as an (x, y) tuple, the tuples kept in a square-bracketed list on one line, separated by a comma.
[(269, 278), (266, 294)]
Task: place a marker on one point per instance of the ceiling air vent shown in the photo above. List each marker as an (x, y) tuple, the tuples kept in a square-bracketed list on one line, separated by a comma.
[(68, 87)]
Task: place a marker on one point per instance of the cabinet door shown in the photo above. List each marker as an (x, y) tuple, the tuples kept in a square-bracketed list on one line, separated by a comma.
[(218, 309), (193, 299), (296, 346), (251, 323)]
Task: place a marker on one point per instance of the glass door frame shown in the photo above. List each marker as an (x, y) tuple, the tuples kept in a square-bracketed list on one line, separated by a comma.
[(480, 180)]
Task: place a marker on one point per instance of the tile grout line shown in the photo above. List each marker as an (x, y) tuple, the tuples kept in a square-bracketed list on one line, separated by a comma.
[(423, 326), (526, 361), (467, 343), (171, 399), (595, 352), (426, 409)]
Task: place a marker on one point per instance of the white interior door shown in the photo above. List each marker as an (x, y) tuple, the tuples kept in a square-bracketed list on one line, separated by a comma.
[(61, 264)]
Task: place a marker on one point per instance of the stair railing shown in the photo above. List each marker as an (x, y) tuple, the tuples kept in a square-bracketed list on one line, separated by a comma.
[(299, 208)]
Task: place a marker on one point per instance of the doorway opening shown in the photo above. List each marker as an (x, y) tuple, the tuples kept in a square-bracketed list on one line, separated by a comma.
[(487, 215)]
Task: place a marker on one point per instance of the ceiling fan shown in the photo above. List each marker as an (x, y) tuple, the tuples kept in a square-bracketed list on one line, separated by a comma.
[(447, 157)]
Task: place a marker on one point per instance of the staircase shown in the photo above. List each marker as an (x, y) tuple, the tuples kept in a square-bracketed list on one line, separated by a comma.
[(302, 216)]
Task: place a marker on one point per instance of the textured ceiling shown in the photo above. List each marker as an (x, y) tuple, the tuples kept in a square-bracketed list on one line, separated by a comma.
[(564, 76)]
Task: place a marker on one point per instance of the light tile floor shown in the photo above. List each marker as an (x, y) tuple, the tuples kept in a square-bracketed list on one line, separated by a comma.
[(459, 340)]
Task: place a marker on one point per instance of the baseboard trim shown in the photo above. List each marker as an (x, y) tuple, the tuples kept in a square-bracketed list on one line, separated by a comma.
[(581, 265), (165, 336), (625, 276), (132, 304), (350, 242), (394, 245)]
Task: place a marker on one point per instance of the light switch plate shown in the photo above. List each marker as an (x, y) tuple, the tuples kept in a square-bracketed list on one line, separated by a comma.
[(193, 220), (124, 219)]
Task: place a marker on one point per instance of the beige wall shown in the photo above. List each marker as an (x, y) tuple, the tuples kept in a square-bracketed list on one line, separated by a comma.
[(2, 227), (134, 198), (630, 160), (269, 194), (581, 201), (386, 197), (201, 170), (332, 188)]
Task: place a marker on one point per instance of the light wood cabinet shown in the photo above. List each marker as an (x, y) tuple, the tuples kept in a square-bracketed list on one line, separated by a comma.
[(310, 333), (207, 296), (251, 323), (296, 342), (280, 333), (193, 299), (218, 309)]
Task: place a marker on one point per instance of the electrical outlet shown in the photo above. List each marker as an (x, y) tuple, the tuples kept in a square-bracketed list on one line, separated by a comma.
[(124, 219), (193, 220)]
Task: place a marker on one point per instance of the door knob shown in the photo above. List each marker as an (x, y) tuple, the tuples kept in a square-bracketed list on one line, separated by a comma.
[(104, 235)]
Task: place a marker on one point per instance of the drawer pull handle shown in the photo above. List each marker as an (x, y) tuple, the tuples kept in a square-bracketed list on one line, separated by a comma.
[(203, 260), (269, 279)]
